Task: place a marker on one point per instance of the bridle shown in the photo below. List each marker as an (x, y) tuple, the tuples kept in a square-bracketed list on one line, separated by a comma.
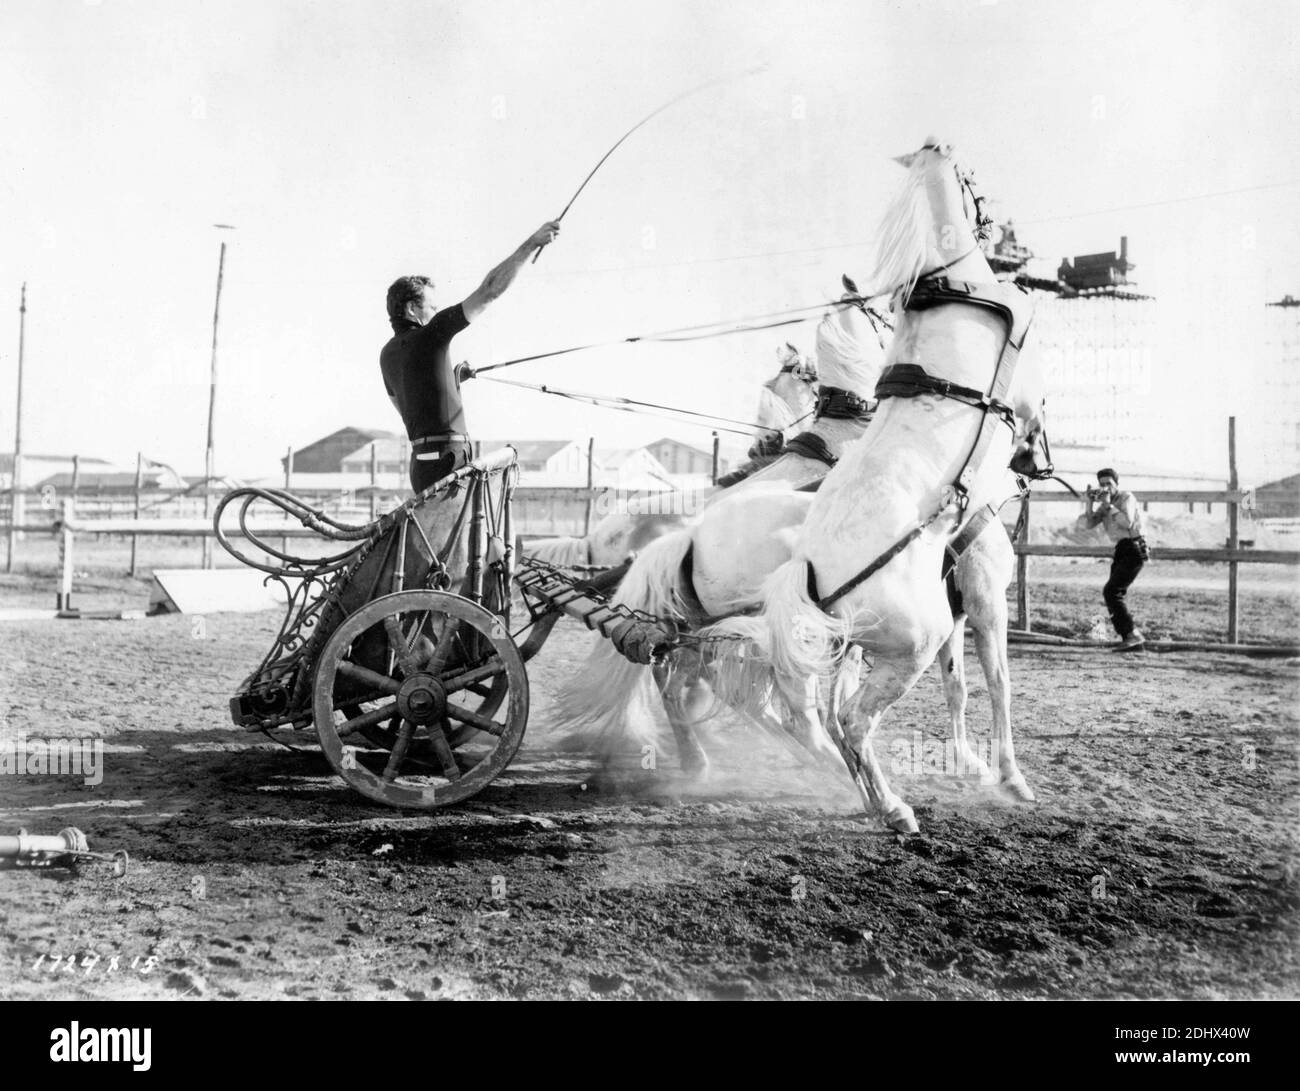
[(802, 369), (983, 226)]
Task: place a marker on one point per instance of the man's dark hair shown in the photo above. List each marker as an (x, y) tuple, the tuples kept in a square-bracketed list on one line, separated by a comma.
[(1108, 472), (405, 290)]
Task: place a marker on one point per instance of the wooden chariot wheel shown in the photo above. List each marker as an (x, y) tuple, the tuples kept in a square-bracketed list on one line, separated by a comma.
[(420, 699)]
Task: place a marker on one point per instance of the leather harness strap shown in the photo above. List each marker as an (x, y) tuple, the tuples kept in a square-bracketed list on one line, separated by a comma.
[(862, 577), (810, 445), (974, 527), (840, 404), (911, 380)]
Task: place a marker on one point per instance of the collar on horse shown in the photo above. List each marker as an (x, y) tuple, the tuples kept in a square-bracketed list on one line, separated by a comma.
[(840, 404), (1013, 305)]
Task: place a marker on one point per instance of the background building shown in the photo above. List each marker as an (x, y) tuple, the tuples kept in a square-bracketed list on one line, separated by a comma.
[(1279, 382)]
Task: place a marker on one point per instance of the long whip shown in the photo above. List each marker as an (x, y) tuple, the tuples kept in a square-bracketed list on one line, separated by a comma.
[(653, 114)]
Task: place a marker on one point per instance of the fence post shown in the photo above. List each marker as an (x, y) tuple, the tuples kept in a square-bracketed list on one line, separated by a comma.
[(1023, 620), (63, 598), (1233, 543), (139, 483), (374, 479), (76, 478), (591, 484), (716, 444), (16, 497)]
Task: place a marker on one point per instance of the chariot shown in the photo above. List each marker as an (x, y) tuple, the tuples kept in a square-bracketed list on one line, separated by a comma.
[(407, 649)]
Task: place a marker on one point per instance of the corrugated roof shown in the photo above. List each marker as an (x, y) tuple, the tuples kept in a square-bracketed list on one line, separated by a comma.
[(7, 460)]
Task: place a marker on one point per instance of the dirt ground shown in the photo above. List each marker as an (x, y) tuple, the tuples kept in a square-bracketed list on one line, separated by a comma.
[(1159, 861)]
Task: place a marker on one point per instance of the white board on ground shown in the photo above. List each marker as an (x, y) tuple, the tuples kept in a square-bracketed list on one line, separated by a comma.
[(213, 591)]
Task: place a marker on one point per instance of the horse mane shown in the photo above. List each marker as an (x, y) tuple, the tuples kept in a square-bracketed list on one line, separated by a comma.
[(903, 238), (848, 354)]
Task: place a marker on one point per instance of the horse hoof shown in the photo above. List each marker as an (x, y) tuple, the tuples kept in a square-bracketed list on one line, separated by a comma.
[(900, 819), (1018, 790)]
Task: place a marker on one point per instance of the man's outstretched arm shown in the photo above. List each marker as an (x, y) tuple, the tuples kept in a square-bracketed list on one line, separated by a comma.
[(497, 281)]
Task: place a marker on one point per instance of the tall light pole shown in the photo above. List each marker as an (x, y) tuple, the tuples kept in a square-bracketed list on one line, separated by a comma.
[(209, 462), (15, 502)]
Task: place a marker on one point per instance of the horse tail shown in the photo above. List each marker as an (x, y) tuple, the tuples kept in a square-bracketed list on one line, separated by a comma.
[(611, 701), (793, 637), (559, 551)]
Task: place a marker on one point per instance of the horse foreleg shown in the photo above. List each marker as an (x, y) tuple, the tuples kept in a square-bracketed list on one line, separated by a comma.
[(951, 665)]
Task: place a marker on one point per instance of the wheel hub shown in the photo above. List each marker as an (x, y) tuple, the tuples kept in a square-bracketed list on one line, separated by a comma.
[(421, 700)]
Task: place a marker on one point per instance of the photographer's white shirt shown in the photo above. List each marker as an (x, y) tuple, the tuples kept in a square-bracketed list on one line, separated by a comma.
[(1121, 519)]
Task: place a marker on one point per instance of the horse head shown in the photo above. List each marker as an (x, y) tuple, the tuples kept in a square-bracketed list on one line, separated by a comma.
[(793, 362), (934, 222), (788, 396)]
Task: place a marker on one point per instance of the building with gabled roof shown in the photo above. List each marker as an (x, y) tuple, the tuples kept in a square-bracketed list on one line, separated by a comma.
[(326, 454)]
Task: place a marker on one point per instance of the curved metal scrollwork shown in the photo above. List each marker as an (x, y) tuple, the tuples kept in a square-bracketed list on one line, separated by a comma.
[(312, 518)]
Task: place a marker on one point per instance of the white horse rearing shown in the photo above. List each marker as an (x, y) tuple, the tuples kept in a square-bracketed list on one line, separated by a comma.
[(930, 466), (864, 567)]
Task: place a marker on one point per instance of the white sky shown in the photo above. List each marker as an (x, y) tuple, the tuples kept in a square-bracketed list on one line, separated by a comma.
[(353, 142)]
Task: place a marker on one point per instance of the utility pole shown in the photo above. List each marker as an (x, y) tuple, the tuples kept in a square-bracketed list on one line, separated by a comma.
[(209, 462), (15, 503)]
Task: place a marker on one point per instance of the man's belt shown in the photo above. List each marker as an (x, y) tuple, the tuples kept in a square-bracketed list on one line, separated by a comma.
[(445, 437)]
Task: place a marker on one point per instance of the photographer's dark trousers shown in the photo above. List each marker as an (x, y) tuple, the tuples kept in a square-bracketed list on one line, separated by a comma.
[(1130, 556), (451, 457)]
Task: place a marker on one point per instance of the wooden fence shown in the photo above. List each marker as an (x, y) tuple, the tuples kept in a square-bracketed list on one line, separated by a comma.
[(570, 511), (1234, 554)]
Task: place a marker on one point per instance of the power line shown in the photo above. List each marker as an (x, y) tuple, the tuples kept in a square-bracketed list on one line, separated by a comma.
[(1157, 204), (753, 256)]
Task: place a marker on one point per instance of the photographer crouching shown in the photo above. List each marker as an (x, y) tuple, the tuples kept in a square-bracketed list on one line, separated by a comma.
[(1119, 513)]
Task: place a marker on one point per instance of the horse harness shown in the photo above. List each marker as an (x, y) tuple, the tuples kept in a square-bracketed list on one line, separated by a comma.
[(1011, 303)]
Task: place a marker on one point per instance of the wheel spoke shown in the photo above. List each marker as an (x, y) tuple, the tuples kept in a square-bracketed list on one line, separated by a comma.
[(442, 749), (398, 646), (441, 645), (359, 673), (466, 679), (398, 753), (366, 719), (465, 716)]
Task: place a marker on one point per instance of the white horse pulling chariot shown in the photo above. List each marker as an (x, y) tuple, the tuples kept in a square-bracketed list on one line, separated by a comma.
[(787, 587)]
